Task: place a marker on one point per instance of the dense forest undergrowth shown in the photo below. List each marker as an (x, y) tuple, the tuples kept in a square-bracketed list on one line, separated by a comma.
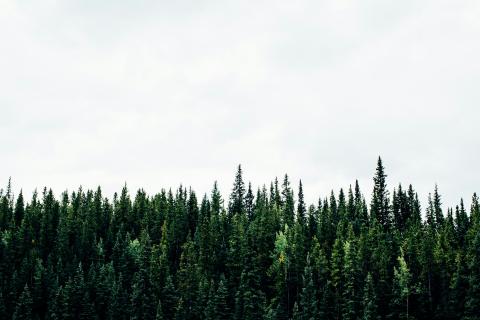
[(261, 254)]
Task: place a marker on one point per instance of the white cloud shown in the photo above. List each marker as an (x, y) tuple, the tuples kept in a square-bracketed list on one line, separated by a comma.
[(159, 93)]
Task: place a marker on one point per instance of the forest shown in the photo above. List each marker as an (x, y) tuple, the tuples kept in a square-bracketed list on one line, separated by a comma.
[(258, 254)]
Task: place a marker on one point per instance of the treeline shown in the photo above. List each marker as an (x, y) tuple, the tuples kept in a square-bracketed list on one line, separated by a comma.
[(260, 254)]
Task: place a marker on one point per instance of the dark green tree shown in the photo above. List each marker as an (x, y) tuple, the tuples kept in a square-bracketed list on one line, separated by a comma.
[(380, 208), (301, 207), (23, 309), (237, 197), (370, 308)]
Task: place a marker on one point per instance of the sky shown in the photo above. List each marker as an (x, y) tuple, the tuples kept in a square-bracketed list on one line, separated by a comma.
[(161, 93)]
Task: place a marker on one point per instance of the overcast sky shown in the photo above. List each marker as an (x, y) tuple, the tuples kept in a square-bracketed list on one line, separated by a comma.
[(158, 93)]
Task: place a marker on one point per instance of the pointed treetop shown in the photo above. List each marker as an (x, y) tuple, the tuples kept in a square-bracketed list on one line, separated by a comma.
[(301, 208), (237, 197)]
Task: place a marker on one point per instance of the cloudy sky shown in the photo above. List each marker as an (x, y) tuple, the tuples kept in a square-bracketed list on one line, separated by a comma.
[(158, 93)]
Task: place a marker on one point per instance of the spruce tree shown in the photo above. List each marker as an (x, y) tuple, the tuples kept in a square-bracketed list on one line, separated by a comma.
[(301, 208), (308, 296), (19, 209), (237, 197), (23, 310), (370, 309), (437, 207), (459, 282), (249, 203), (401, 289), (3, 308), (278, 271), (472, 299), (221, 309), (159, 312), (380, 200), (350, 274), (336, 263), (169, 299), (288, 202)]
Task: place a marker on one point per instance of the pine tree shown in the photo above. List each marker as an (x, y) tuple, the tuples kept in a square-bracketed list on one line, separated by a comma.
[(159, 312), (19, 209), (249, 200), (23, 311), (336, 275), (380, 199), (301, 208), (401, 289), (458, 284), (119, 304), (221, 309), (349, 308), (187, 276), (475, 212), (3, 308), (461, 223), (38, 289), (278, 271), (249, 299), (437, 208), (431, 222), (237, 197), (276, 197), (370, 309), (288, 202), (169, 299), (308, 296), (472, 302)]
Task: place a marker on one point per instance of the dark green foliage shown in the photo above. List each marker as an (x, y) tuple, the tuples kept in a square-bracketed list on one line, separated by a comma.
[(380, 208), (301, 208), (472, 299), (288, 203), (237, 197), (308, 296), (369, 303), (265, 255), (23, 311), (169, 299), (219, 302)]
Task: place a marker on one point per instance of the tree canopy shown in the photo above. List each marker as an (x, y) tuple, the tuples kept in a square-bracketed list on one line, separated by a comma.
[(256, 255)]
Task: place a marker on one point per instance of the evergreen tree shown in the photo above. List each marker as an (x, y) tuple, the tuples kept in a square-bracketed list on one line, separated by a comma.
[(249, 203), (169, 299), (19, 209), (336, 263), (350, 274), (24, 306), (437, 207), (166, 256), (188, 280), (461, 223), (288, 202), (278, 271), (370, 309), (380, 200), (401, 289), (459, 282), (237, 197), (221, 309), (159, 312), (308, 297), (3, 308), (301, 208), (472, 302)]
